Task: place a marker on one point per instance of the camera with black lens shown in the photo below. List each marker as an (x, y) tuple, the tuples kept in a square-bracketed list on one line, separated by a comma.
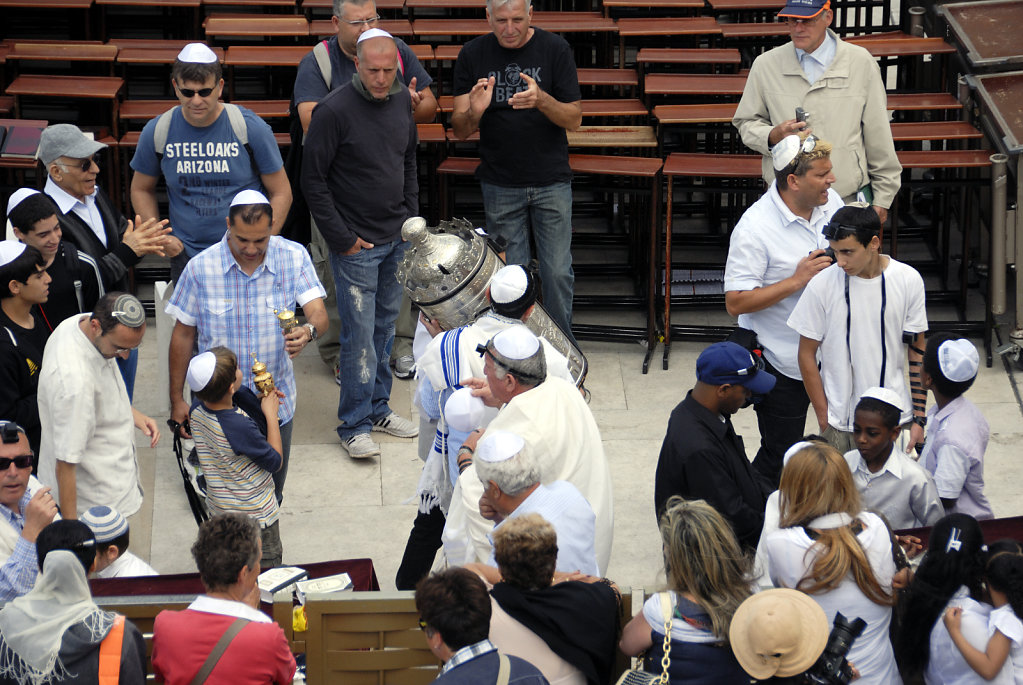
[(832, 667)]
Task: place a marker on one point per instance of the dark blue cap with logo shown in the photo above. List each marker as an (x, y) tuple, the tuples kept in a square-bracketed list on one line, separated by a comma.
[(804, 9), (727, 363)]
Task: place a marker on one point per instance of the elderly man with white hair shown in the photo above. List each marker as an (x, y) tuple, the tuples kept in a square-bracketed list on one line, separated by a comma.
[(510, 474), (552, 418)]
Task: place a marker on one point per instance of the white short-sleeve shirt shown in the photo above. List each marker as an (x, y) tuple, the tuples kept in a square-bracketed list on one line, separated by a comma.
[(765, 247), (847, 371)]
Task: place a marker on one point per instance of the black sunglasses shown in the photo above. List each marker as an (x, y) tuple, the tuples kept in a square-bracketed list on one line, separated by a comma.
[(22, 461), (189, 93), (835, 231), (84, 164)]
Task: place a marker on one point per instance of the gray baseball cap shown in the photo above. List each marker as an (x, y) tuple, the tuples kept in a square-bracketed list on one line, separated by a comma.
[(66, 140)]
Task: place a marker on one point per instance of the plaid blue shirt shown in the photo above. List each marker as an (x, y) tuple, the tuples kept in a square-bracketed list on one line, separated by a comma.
[(18, 573), (468, 653), (230, 308)]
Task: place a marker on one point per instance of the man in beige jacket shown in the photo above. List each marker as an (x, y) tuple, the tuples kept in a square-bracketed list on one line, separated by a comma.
[(839, 86)]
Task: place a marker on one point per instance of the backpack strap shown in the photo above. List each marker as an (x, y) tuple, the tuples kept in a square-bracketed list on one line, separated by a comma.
[(86, 258), (163, 123), (322, 56), (238, 125), (74, 268), (109, 671)]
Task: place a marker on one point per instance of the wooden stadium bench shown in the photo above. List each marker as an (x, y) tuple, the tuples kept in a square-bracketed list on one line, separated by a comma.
[(645, 27), (755, 29), (62, 51), (689, 56), (255, 25), (903, 45), (73, 87), (450, 27), (614, 107), (713, 113), (323, 28), (613, 137), (934, 130), (265, 55), (922, 101), (693, 84)]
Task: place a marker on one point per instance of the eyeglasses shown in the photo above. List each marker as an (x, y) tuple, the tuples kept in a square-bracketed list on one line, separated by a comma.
[(753, 369), (22, 461), (189, 93), (84, 164), (360, 22), (422, 624), (805, 148)]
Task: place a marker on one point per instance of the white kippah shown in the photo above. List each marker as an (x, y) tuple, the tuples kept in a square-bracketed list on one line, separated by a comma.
[(958, 360), (200, 370), (17, 196), (197, 53), (10, 250), (886, 395), (509, 284), (516, 342), (785, 151), (374, 33), (463, 412), (499, 446), (802, 444), (250, 197)]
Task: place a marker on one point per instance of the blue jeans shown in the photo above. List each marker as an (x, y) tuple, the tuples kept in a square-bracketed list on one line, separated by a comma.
[(368, 299), (545, 213)]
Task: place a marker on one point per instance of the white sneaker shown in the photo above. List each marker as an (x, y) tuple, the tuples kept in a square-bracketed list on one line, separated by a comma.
[(395, 425), (361, 446)]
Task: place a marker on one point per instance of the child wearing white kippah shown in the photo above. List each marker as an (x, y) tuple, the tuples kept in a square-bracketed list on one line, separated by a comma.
[(957, 432), (238, 456)]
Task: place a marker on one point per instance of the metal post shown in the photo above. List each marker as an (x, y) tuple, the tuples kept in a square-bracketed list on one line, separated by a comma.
[(963, 95), (916, 21), (996, 281), (1016, 335)]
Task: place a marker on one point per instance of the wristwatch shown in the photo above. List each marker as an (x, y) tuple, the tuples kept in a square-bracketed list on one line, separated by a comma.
[(312, 331)]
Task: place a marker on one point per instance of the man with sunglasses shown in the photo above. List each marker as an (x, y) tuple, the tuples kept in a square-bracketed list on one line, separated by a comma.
[(774, 251), (702, 457), (860, 315), (26, 507), (840, 88), (87, 217), (207, 152), (88, 452)]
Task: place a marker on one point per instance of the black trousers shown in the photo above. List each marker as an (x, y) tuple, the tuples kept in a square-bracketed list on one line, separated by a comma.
[(781, 417), (421, 548)]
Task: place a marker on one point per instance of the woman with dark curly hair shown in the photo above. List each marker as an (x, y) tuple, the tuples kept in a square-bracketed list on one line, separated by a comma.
[(950, 576), (709, 576)]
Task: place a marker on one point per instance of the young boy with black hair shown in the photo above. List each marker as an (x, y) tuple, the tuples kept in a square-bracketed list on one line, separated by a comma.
[(113, 560), (77, 284), (859, 314), (24, 284), (238, 457), (958, 434), (889, 481)]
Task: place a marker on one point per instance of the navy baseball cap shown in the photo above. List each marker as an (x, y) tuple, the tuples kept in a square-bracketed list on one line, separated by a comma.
[(804, 9), (729, 363)]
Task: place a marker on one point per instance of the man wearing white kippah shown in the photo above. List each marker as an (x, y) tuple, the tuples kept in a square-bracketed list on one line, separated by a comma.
[(510, 473), (774, 251), (230, 294), (88, 452), (360, 181), (207, 152), (552, 418)]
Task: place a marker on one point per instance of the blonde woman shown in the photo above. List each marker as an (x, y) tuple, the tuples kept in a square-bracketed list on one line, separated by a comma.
[(838, 554), (708, 578)]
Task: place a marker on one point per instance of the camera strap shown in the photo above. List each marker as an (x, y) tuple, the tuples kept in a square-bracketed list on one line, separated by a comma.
[(848, 327)]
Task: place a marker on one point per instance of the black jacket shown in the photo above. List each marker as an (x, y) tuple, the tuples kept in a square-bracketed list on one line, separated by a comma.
[(703, 458), (114, 258)]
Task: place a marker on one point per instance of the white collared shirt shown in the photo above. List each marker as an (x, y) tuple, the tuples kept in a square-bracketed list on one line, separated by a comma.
[(815, 63), (86, 211), (228, 607), (765, 248)]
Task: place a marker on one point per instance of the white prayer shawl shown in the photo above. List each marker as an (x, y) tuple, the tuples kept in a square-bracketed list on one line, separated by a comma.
[(449, 360), (556, 423), (8, 535)]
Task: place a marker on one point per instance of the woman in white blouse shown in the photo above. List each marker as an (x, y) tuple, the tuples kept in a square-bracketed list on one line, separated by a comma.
[(838, 554)]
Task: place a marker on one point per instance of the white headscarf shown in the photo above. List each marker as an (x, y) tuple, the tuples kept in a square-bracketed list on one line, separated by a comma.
[(33, 626)]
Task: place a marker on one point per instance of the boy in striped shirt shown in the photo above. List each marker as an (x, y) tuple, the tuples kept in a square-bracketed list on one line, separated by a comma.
[(237, 455)]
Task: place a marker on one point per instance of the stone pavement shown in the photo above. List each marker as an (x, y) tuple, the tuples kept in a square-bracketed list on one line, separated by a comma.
[(336, 507)]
